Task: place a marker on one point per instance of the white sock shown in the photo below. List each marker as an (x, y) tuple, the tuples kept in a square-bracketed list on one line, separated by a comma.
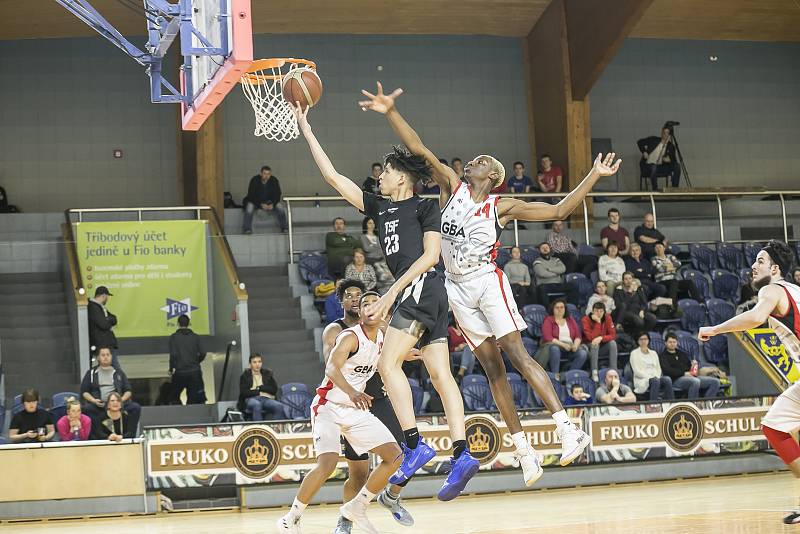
[(561, 418), (364, 496), (520, 440), (297, 508)]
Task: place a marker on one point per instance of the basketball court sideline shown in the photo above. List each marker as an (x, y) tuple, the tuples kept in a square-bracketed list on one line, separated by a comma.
[(752, 504)]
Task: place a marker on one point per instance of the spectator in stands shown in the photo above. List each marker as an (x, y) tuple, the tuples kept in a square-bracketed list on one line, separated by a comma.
[(666, 268), (519, 182), (114, 423), (600, 336), (548, 272), (264, 193), (647, 236), (576, 396), (339, 247), (644, 272), (101, 322), (683, 371), (600, 295), (658, 158), (562, 338), (551, 179), (374, 253), (460, 350), (795, 276), (185, 356), (647, 376), (612, 391), (74, 426), (611, 266), (359, 269), (615, 232), (258, 392), (458, 166), (631, 306), (562, 247), (371, 183), (519, 276), (33, 424), (104, 379)]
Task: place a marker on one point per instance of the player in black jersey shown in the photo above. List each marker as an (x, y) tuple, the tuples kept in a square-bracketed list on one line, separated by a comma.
[(349, 293), (409, 232)]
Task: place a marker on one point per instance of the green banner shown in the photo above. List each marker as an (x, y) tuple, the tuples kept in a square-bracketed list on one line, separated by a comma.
[(156, 271)]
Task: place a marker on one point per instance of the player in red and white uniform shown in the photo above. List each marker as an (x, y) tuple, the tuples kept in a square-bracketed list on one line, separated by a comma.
[(779, 306), (478, 291), (341, 408)]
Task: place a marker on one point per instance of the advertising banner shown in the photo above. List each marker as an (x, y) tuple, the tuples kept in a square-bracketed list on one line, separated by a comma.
[(156, 271), (774, 359)]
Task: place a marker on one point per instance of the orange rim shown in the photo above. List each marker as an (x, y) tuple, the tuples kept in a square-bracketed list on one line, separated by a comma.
[(256, 76)]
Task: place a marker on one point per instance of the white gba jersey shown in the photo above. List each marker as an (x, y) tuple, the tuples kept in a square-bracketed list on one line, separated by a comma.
[(357, 370), (470, 235)]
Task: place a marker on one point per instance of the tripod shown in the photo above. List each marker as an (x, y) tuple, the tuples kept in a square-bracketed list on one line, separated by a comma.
[(674, 139)]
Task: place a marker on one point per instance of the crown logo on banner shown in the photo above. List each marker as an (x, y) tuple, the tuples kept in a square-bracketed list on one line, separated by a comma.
[(479, 442), (256, 454), (683, 429)]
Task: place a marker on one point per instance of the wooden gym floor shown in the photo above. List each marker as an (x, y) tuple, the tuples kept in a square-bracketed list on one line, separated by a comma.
[(743, 504)]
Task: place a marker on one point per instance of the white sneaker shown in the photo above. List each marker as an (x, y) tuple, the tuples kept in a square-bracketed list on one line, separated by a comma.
[(573, 441), (530, 463), (289, 524), (357, 513)]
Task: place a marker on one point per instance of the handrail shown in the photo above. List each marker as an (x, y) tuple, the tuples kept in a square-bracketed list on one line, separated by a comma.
[(215, 228), (75, 275), (712, 195)]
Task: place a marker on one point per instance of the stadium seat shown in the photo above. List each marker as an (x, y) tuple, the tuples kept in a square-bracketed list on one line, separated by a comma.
[(575, 313), (59, 408), (719, 310), (291, 387), (726, 285), (534, 315), (602, 374), (584, 286), (703, 258), (751, 250), (656, 342), (477, 394), (694, 315), (586, 383), (297, 405), (745, 275), (530, 346), (556, 385), (522, 397), (313, 266), (730, 257), (587, 250), (503, 255), (17, 406), (715, 350), (3, 440), (689, 344), (529, 255), (700, 281)]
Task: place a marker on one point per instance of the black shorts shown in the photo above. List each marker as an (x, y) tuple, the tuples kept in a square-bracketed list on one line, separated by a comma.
[(382, 409), (425, 300)]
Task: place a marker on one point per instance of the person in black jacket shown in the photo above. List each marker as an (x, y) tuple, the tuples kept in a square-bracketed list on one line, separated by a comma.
[(630, 307), (101, 322), (659, 159), (264, 193), (677, 365), (185, 356), (100, 382), (114, 423), (258, 392)]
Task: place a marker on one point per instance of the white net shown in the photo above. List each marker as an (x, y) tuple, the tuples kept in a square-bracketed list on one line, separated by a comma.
[(264, 89)]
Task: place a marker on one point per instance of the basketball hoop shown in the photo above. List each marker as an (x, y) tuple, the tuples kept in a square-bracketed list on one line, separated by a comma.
[(263, 86)]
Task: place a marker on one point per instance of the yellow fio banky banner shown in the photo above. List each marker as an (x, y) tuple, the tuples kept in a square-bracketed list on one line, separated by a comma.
[(156, 271)]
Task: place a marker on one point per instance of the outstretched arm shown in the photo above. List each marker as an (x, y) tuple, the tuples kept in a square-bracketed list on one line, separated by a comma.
[(443, 175), (768, 298), (344, 185), (509, 209)]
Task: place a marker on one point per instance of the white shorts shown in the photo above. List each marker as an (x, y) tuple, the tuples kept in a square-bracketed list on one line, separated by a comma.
[(784, 414), (484, 306), (363, 430)]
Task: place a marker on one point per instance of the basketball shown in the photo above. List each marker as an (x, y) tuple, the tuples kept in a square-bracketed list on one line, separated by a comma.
[(302, 85)]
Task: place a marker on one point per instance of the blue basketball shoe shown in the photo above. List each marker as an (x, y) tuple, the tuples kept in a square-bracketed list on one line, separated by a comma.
[(413, 460), (462, 469)]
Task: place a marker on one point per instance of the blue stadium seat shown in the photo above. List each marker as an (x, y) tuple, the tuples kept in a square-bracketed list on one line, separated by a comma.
[(587, 250), (745, 276), (584, 286), (530, 346), (534, 315), (751, 250), (730, 257), (573, 375), (694, 315), (689, 344), (601, 374), (726, 285), (17, 406), (529, 255), (586, 383), (575, 313), (715, 350), (3, 440), (60, 399), (656, 342), (556, 385), (703, 258), (313, 266), (291, 387), (522, 397), (477, 394), (297, 405), (503, 255), (700, 281), (719, 310)]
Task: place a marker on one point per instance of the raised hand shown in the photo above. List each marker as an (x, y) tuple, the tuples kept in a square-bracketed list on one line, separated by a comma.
[(379, 102), (603, 166), (706, 333), (301, 115)]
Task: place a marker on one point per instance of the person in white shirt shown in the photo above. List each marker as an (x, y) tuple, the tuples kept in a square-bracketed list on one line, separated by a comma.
[(600, 295), (610, 267), (647, 376)]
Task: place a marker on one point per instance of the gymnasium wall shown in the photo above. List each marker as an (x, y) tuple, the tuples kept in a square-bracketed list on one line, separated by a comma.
[(65, 105), (740, 115), (464, 95)]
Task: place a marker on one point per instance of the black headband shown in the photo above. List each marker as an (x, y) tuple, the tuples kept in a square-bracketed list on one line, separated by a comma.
[(367, 294), (773, 255)]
